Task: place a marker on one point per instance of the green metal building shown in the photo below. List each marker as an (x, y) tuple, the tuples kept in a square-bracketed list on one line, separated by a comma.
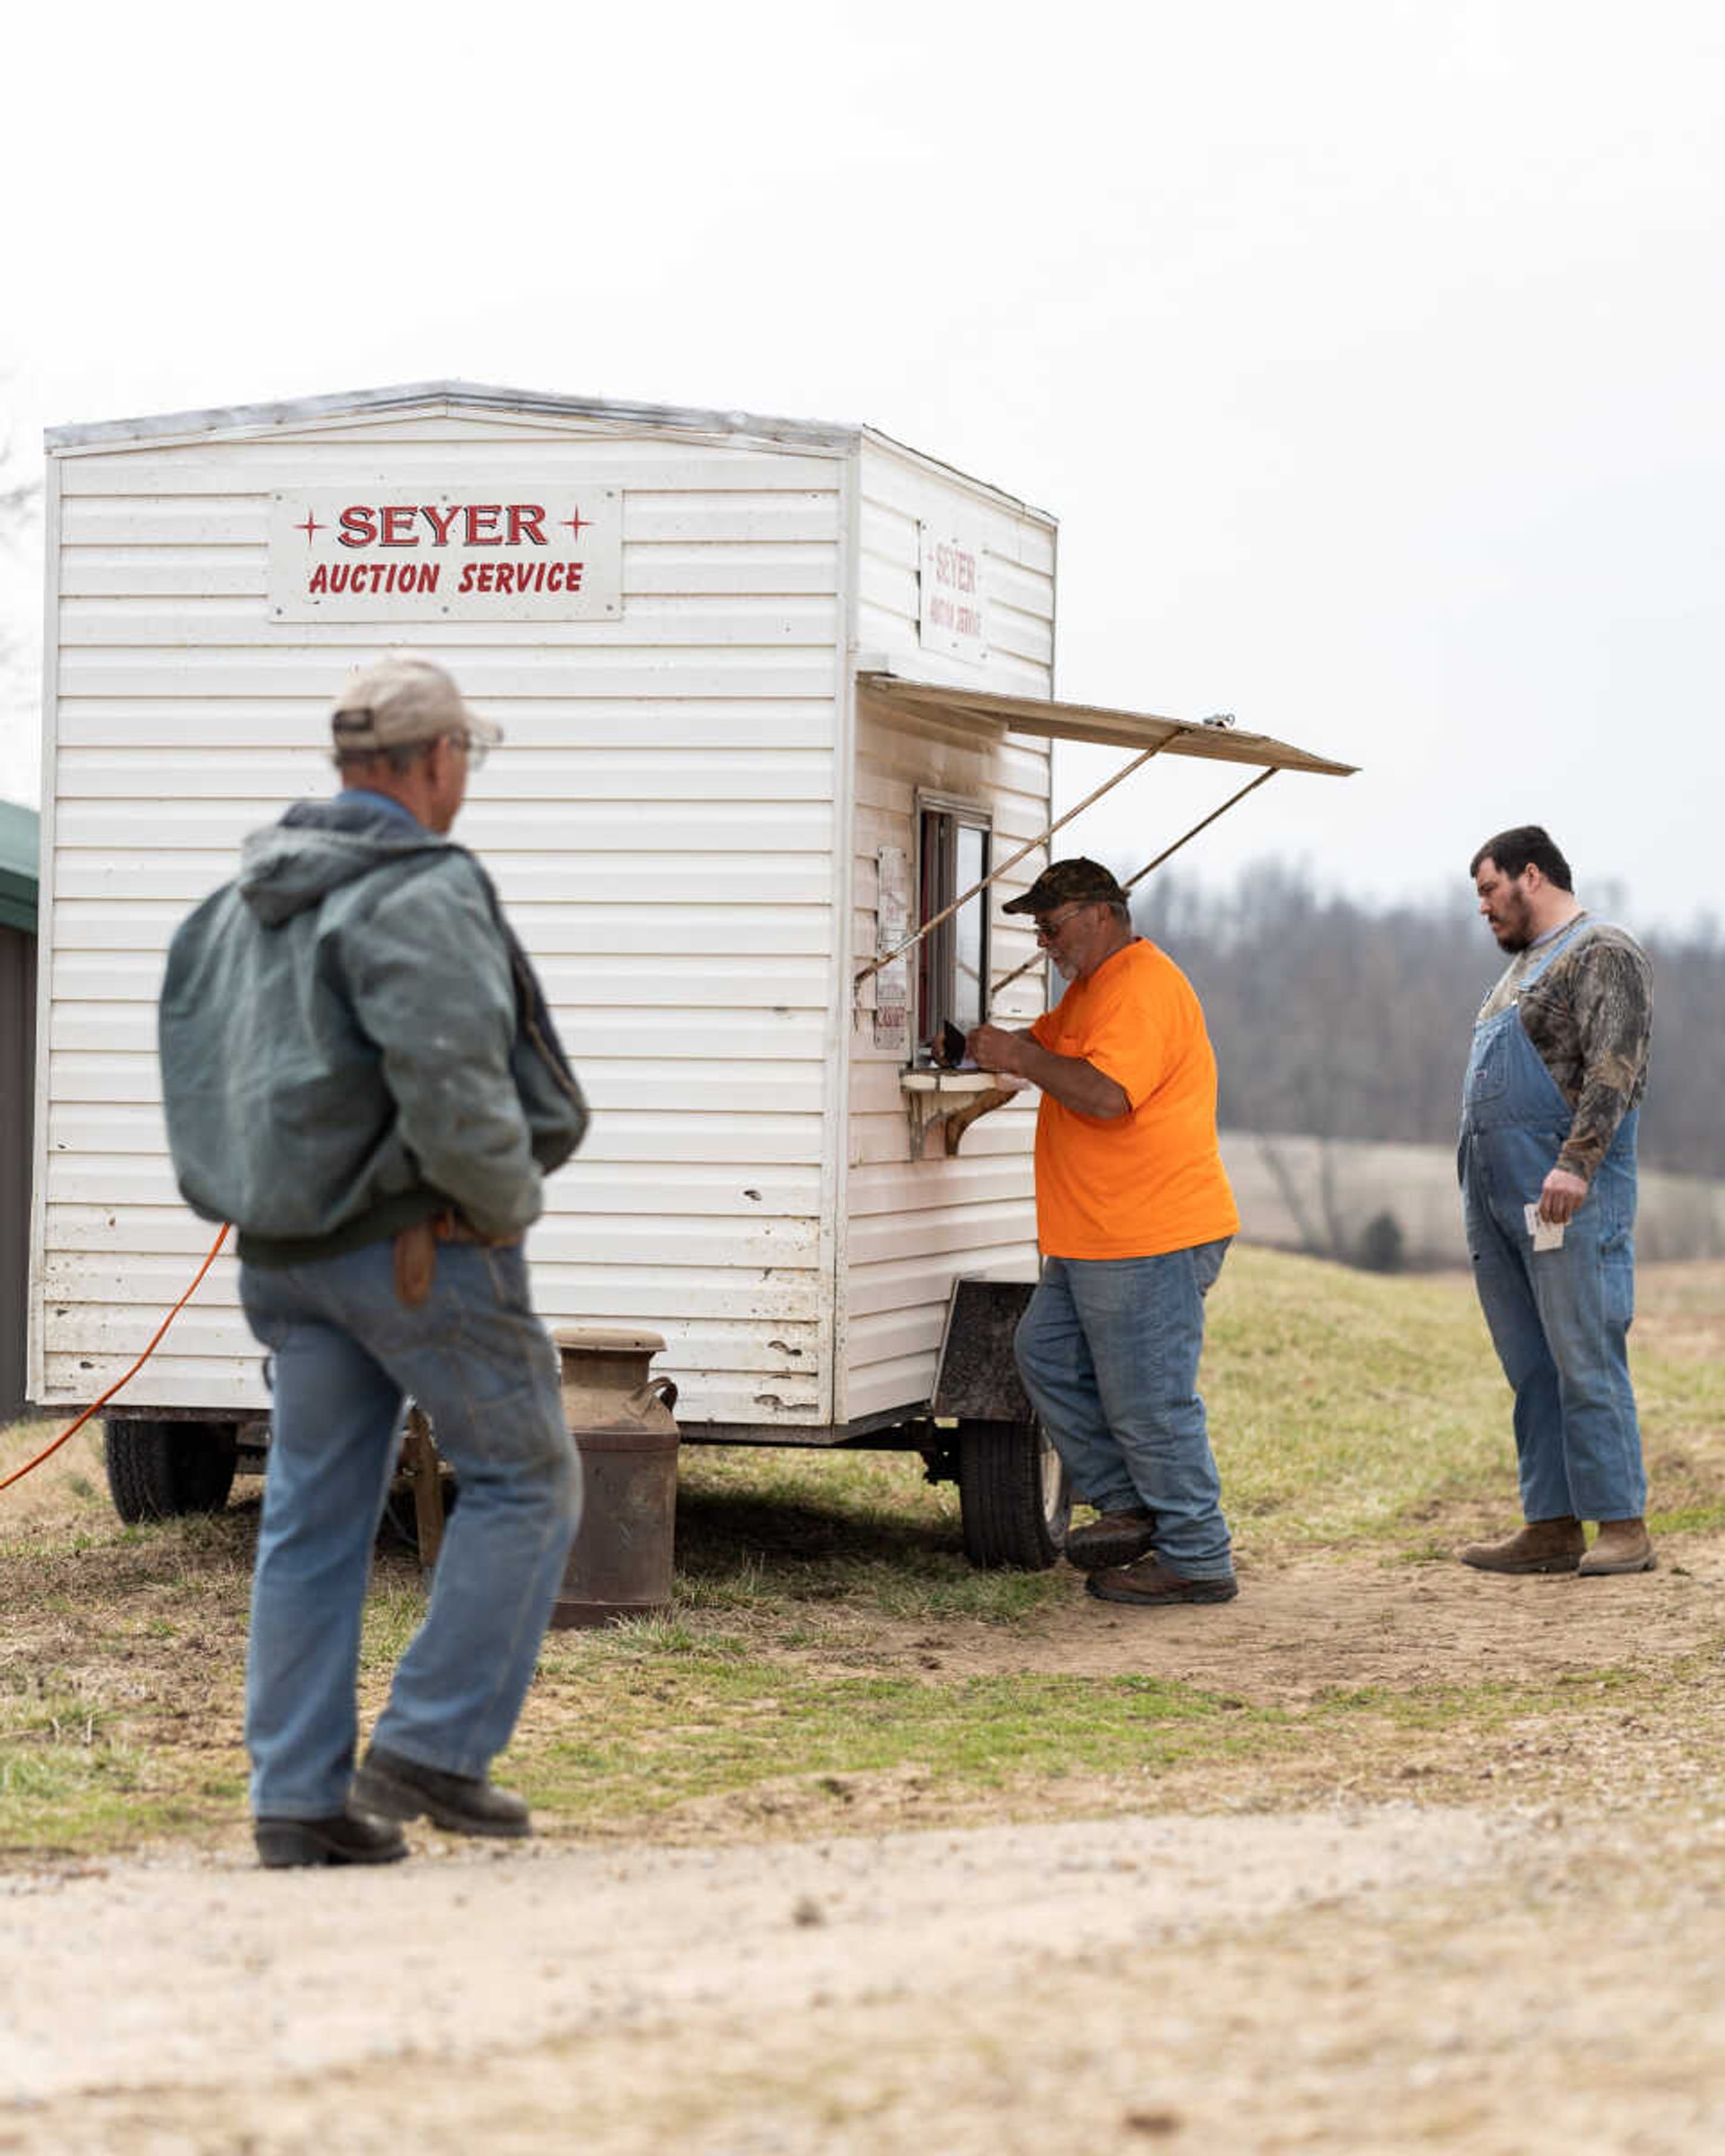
[(18, 879)]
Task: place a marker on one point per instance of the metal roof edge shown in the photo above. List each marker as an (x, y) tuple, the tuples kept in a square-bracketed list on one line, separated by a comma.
[(19, 906), (978, 486), (21, 840), (472, 395)]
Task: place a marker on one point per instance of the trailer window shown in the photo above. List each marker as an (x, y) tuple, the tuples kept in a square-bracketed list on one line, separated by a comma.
[(952, 962)]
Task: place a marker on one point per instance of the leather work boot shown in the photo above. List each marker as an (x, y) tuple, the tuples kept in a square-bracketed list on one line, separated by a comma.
[(1112, 1538), (1620, 1546), (1541, 1546), (1150, 1585), (463, 1804), (350, 1837)]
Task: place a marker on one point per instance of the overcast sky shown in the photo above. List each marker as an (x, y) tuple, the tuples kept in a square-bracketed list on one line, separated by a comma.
[(1369, 353)]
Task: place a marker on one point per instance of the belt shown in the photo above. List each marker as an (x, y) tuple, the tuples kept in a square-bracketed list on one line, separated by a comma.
[(450, 1228), (416, 1252)]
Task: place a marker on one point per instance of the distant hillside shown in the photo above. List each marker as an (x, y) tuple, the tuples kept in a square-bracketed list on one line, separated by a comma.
[(1396, 1207), (1334, 1019)]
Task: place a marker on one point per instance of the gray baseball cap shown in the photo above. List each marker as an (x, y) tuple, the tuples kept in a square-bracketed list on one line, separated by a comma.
[(402, 700)]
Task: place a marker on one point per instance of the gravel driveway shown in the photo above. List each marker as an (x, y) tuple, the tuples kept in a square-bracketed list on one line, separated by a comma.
[(1383, 1978)]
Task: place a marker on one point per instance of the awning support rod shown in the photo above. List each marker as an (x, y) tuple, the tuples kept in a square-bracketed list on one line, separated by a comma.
[(1251, 787), (1029, 847)]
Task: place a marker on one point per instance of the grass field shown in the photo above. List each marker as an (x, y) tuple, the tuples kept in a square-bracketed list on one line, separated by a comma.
[(830, 1659)]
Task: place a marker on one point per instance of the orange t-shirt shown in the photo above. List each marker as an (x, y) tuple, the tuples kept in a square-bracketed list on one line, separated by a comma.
[(1152, 1180)]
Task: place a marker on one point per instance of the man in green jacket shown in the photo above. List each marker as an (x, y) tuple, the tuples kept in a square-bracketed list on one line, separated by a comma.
[(359, 1071)]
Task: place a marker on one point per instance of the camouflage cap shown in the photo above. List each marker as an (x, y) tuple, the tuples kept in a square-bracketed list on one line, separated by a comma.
[(1075, 882), (401, 700)]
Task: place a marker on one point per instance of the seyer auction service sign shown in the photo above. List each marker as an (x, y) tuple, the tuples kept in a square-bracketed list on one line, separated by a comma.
[(951, 618), (460, 556)]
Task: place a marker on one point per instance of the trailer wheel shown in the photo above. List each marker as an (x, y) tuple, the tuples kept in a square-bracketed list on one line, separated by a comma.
[(1014, 1497), (158, 1470)]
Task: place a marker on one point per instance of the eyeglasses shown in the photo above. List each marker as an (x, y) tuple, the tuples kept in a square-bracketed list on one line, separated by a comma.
[(1047, 931), (473, 748)]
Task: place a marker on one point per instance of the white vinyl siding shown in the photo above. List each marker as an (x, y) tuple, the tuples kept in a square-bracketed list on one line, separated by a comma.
[(916, 1226), (668, 823), (660, 825)]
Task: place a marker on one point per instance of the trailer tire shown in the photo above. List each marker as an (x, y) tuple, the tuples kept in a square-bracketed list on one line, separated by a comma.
[(161, 1470), (1014, 1496)]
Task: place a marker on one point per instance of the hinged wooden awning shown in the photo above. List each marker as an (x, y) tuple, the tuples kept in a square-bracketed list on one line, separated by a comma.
[(986, 712)]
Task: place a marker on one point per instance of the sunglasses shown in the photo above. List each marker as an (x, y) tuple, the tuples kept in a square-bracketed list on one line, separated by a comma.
[(1047, 931)]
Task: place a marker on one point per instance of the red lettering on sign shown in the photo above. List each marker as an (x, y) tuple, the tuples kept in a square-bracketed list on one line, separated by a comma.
[(483, 524), (954, 566), (358, 578), (506, 580)]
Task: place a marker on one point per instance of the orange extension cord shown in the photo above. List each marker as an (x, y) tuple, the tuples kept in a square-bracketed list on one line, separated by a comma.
[(18, 1474)]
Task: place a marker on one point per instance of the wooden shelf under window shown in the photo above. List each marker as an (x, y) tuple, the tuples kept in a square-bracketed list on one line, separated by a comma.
[(952, 1099)]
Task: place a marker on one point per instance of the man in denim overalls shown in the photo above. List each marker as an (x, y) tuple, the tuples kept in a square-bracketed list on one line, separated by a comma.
[(1547, 1165)]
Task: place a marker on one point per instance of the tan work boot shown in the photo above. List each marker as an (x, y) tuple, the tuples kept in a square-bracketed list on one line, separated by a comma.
[(1621, 1546), (1541, 1546)]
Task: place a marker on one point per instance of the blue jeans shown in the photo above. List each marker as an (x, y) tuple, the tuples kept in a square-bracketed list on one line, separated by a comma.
[(347, 1351), (1560, 1321), (1109, 1350)]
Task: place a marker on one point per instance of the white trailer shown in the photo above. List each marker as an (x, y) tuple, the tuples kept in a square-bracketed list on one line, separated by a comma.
[(774, 694)]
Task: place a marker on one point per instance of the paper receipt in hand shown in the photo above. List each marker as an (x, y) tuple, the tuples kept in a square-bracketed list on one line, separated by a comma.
[(1547, 1234)]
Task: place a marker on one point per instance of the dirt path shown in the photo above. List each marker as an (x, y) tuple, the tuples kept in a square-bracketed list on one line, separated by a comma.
[(1545, 1672), (1498, 1936), (1323, 1624), (1390, 1924), (1374, 1979)]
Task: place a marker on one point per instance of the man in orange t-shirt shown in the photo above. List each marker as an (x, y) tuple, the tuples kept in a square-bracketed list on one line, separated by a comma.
[(1133, 1215)]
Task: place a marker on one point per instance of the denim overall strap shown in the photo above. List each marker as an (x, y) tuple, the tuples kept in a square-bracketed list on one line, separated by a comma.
[(1505, 1081), (1559, 1318)]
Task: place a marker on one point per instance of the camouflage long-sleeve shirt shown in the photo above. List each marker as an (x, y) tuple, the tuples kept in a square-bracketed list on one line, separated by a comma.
[(1590, 1017)]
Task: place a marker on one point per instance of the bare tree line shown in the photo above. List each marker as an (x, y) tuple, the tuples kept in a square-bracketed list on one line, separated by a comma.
[(1338, 1019)]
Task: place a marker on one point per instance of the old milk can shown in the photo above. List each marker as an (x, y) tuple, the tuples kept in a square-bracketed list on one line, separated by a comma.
[(624, 1429)]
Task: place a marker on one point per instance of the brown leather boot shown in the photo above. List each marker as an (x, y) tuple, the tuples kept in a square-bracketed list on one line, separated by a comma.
[(1621, 1546), (1113, 1538), (1151, 1585), (1541, 1546)]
